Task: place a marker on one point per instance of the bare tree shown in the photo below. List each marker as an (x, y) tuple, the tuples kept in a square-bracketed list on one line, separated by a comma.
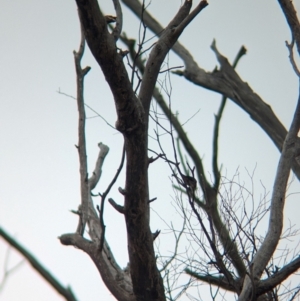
[(142, 281), (234, 257)]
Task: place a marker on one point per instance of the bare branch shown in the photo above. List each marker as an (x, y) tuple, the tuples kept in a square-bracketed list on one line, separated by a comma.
[(8, 271), (119, 208), (89, 107), (271, 240), (94, 179), (116, 280), (191, 16), (209, 192), (217, 281), (104, 195), (210, 197), (119, 20), (136, 7), (177, 240), (218, 117), (80, 74), (292, 19), (243, 95), (278, 277), (145, 282), (164, 44), (291, 56), (224, 82), (104, 49), (66, 292)]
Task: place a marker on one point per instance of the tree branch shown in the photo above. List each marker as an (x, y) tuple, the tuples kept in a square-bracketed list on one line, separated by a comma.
[(119, 20), (66, 292), (136, 7), (104, 195), (208, 191), (80, 74), (94, 179), (119, 208), (115, 279), (263, 255), (265, 286), (291, 17), (217, 281), (218, 117), (166, 41), (291, 56), (103, 47), (189, 18), (226, 83)]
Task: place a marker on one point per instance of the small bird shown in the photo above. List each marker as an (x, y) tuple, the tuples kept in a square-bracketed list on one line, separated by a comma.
[(155, 234), (110, 19), (190, 182)]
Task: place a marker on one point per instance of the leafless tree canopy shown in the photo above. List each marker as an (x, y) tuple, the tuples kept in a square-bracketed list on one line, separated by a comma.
[(224, 249), (238, 269)]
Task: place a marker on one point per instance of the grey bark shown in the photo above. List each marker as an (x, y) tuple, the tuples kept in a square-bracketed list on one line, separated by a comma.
[(132, 122), (226, 82)]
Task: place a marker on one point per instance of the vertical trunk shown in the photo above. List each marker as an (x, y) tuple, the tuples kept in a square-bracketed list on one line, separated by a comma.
[(146, 280)]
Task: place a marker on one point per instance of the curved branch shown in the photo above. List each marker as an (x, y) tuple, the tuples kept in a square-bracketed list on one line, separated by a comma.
[(133, 123), (208, 191), (218, 117), (226, 82), (289, 152), (94, 179), (184, 139), (136, 7), (166, 41), (292, 19), (216, 171), (118, 207), (104, 195), (103, 47), (115, 279), (265, 286), (66, 292), (119, 20), (278, 197), (217, 281)]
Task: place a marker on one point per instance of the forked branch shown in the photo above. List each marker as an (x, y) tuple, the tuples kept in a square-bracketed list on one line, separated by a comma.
[(104, 261), (165, 42), (289, 152), (208, 191), (226, 82), (66, 292), (290, 13)]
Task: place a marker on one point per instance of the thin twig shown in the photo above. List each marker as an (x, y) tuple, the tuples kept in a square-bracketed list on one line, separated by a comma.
[(68, 95), (291, 56), (218, 117), (66, 292), (103, 196)]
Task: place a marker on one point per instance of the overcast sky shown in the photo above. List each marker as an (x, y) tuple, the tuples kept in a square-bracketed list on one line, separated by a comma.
[(39, 164)]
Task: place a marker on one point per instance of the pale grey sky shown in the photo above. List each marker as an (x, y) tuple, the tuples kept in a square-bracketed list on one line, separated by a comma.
[(39, 164)]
